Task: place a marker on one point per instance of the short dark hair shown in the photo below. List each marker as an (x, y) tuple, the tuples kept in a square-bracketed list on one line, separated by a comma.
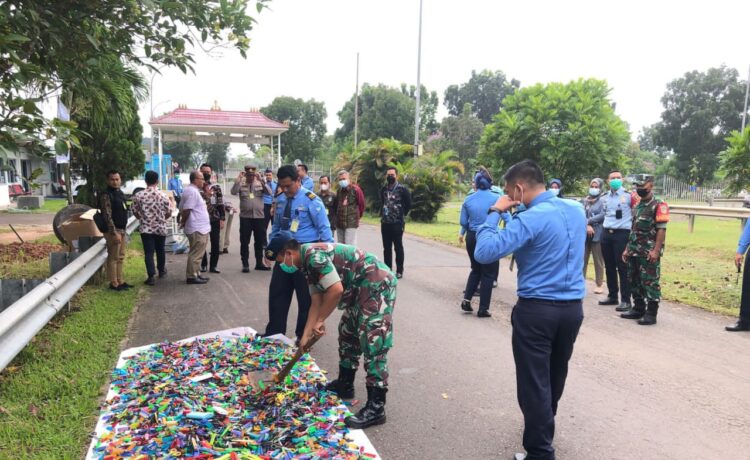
[(206, 164), (151, 177), (615, 171), (111, 172), (527, 171), (291, 245), (303, 166), (287, 171), (195, 175), (324, 176), (391, 167)]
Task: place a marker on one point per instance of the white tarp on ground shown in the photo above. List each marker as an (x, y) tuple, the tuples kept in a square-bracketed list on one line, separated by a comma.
[(357, 436)]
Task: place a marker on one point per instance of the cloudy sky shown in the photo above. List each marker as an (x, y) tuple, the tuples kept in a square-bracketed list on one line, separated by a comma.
[(307, 49)]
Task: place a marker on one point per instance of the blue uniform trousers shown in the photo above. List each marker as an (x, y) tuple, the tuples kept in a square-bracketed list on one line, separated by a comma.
[(280, 298), (481, 275), (544, 332)]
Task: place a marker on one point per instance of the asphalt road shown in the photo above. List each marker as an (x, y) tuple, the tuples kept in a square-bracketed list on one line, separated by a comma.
[(677, 390)]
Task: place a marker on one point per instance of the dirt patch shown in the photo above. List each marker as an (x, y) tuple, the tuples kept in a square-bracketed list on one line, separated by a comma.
[(26, 252), (27, 232)]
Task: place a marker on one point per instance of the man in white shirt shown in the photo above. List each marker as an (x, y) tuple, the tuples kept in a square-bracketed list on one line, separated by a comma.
[(195, 221)]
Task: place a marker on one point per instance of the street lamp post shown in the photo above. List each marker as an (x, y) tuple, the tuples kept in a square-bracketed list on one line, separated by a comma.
[(151, 102), (419, 86), (747, 92)]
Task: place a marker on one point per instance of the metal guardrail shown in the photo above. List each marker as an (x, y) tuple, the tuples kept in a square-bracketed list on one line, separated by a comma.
[(21, 321), (709, 211)]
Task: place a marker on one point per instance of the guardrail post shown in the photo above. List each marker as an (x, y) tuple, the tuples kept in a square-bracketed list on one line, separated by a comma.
[(691, 223)]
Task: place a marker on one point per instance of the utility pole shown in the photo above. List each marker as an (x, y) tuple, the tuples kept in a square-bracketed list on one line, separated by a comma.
[(419, 86), (747, 92), (356, 108)]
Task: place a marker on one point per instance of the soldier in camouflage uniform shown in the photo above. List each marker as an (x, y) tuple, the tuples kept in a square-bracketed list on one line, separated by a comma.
[(643, 253), (365, 289)]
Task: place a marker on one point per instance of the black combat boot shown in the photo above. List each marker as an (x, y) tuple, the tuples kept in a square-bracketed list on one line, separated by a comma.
[(374, 411), (636, 311), (650, 317), (344, 385)]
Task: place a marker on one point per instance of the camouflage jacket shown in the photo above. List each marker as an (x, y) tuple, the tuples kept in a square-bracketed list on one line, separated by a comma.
[(214, 198), (648, 217), (325, 264)]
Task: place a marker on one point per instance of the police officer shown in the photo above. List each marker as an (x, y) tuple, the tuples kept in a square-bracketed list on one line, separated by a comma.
[(305, 180), (473, 215), (365, 289), (643, 253), (617, 221), (548, 241), (300, 212), (269, 192)]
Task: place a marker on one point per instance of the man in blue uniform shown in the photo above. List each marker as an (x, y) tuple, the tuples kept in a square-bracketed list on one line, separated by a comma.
[(302, 213), (304, 179), (269, 191), (473, 215), (548, 241), (618, 218)]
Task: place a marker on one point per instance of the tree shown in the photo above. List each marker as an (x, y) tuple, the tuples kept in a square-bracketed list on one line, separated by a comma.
[(214, 154), (570, 129), (183, 153), (485, 92), (307, 125), (735, 161), (47, 46), (384, 112), (461, 134), (428, 105), (701, 109)]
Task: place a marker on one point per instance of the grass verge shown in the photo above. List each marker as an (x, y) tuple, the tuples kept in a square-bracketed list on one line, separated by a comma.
[(697, 268), (50, 393), (50, 206)]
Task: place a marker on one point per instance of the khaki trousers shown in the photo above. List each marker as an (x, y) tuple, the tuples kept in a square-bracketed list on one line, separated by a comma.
[(225, 233), (595, 250), (115, 256), (198, 243)]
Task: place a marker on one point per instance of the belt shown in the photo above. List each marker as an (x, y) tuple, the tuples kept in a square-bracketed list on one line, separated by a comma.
[(549, 301), (616, 230)]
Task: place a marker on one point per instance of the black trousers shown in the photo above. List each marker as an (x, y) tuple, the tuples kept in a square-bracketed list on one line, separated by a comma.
[(745, 298), (215, 237), (280, 291), (613, 245), (543, 337), (267, 215), (393, 238), (256, 228), (154, 244), (481, 275)]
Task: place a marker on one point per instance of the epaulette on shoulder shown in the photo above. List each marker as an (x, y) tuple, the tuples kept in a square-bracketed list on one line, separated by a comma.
[(311, 195)]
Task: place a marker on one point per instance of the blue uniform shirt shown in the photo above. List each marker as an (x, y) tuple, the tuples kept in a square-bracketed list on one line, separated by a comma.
[(308, 183), (622, 200), (744, 239), (268, 199), (548, 240), (309, 212), (474, 210)]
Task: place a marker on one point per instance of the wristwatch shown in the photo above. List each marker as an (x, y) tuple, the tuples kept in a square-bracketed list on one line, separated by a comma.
[(494, 209)]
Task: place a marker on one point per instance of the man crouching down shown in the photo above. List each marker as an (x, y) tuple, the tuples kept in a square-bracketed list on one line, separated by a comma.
[(365, 288)]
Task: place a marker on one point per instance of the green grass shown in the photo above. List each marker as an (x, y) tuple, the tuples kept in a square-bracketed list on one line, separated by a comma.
[(697, 268), (50, 206), (49, 395)]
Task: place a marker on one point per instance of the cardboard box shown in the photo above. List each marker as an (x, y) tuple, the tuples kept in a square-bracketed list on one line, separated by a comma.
[(76, 227)]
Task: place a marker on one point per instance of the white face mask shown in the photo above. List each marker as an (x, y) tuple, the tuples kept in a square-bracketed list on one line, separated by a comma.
[(324, 187), (555, 191), (344, 183)]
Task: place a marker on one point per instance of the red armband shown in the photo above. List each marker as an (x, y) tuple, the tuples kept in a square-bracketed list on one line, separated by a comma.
[(662, 213)]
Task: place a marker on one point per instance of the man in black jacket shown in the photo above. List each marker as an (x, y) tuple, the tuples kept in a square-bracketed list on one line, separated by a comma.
[(113, 207), (396, 201)]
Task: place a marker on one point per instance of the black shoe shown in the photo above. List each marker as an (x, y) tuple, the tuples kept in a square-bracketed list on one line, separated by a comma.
[(738, 326), (245, 269), (215, 270), (262, 268), (609, 301), (197, 281), (225, 251), (344, 385), (466, 306), (624, 306), (633, 314), (124, 286), (204, 278), (483, 314), (162, 274), (399, 275), (150, 281), (650, 317), (114, 288), (373, 413), (204, 269)]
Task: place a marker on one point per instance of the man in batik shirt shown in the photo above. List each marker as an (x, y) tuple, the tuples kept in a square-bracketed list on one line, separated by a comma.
[(365, 289)]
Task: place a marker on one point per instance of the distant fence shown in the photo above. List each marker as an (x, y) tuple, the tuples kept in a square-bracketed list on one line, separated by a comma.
[(670, 188), (709, 211)]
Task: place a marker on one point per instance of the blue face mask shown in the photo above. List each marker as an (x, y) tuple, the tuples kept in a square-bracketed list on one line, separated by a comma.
[(555, 191), (594, 191), (344, 183), (290, 269), (615, 184)]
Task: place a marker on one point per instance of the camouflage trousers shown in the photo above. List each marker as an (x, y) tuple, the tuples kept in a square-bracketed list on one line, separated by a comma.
[(366, 328), (644, 279)]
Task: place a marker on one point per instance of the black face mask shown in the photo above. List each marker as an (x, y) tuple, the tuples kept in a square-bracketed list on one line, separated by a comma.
[(207, 177), (642, 192), (391, 179)]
